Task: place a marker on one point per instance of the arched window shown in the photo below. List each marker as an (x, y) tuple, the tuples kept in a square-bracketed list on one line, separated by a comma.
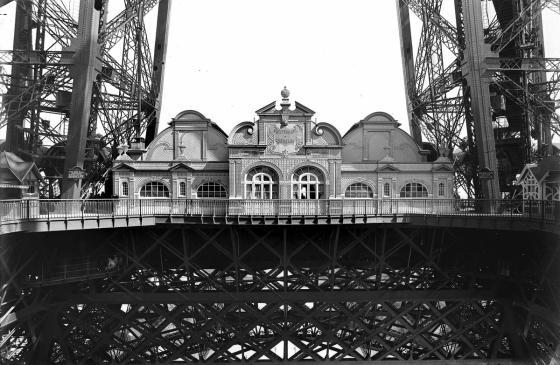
[(154, 189), (441, 189), (414, 190), (124, 188), (308, 183), (211, 190), (358, 190), (261, 183)]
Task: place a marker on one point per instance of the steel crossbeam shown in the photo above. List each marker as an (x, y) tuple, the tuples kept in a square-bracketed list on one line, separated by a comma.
[(248, 294), (445, 93), (126, 100)]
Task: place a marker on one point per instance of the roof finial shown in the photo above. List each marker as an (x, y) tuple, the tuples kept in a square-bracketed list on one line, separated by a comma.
[(285, 94)]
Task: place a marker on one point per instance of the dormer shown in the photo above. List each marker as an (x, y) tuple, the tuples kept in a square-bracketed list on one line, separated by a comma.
[(378, 138), (190, 137)]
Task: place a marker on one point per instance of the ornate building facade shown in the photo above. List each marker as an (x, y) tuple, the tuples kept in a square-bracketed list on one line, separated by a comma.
[(283, 156)]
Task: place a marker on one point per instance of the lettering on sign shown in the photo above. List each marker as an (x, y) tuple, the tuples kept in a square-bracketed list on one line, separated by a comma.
[(485, 174), (284, 141), (76, 173)]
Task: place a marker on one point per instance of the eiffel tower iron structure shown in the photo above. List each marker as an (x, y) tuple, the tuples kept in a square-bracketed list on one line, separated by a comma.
[(165, 289), (78, 83), (478, 83)]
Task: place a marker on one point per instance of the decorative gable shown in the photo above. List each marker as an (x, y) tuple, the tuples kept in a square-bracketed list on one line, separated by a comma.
[(442, 168), (271, 109), (181, 167), (387, 168), (123, 167)]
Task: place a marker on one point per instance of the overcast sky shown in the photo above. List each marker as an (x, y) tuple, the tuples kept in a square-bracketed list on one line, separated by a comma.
[(228, 58)]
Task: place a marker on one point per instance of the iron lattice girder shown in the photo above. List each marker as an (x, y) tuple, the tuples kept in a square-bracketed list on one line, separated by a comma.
[(115, 29), (503, 64), (225, 331), (426, 10), (63, 28), (510, 31), (519, 95), (225, 294)]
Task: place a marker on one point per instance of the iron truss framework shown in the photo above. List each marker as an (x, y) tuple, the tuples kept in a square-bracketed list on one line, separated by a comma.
[(41, 79), (231, 294), (473, 67)]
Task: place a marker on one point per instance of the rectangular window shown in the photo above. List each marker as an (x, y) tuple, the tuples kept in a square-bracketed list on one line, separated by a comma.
[(182, 188), (386, 190), (124, 188), (441, 189)]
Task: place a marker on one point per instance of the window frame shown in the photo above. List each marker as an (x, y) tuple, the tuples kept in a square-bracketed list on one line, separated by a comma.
[(413, 192), (263, 184), (125, 188), (441, 189), (368, 191), (214, 184), (180, 185), (386, 190), (152, 183), (310, 178)]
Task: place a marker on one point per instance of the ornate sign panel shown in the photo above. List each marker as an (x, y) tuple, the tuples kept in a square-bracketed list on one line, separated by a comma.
[(285, 140), (76, 173)]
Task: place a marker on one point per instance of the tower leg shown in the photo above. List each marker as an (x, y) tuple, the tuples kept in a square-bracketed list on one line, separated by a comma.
[(475, 53), (84, 76)]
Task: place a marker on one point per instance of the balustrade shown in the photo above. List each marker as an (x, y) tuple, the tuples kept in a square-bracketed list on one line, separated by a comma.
[(33, 209)]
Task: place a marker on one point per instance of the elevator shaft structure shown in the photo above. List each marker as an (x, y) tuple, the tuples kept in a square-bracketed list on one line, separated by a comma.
[(479, 86), (75, 87)]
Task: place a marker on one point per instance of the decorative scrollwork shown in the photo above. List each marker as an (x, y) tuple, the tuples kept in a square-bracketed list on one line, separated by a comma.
[(318, 131)]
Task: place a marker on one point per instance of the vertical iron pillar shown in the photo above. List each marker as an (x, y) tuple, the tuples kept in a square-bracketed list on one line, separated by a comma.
[(83, 72), (21, 76), (475, 52), (407, 54), (160, 51)]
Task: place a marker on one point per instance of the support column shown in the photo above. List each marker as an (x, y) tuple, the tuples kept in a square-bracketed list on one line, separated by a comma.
[(83, 72), (407, 55), (160, 51), (475, 53), (21, 74)]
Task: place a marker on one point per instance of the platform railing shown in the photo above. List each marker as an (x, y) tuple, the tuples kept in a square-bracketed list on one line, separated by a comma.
[(34, 209)]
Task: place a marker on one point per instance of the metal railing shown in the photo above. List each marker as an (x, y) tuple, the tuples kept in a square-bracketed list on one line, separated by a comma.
[(34, 209)]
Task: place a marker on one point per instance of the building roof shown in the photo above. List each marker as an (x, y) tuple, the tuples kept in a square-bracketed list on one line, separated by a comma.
[(547, 167), (13, 168)]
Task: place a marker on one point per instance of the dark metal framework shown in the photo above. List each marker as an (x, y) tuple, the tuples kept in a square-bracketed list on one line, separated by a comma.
[(52, 88), (222, 294), (478, 81)]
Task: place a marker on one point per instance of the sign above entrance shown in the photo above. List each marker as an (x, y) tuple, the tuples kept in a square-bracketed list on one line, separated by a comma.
[(284, 141)]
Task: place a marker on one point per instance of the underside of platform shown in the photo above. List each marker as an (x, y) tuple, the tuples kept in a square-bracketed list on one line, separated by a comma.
[(222, 294)]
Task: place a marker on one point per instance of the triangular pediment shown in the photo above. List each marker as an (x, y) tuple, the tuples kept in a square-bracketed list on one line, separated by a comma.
[(180, 166), (387, 168), (272, 109), (123, 167), (268, 109), (300, 108), (442, 168)]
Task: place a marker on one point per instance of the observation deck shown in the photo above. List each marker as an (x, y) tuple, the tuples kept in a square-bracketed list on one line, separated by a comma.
[(32, 215)]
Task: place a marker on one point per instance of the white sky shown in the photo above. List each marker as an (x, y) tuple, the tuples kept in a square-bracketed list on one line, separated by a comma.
[(227, 58)]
